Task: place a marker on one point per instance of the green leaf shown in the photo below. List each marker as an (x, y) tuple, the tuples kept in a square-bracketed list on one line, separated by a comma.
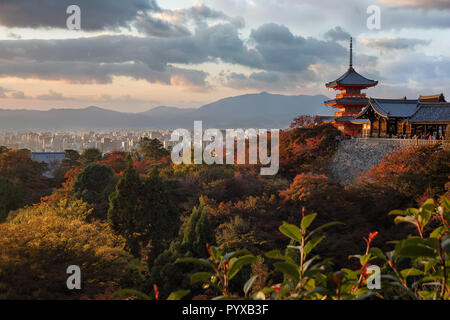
[(248, 285), (445, 244), (439, 231), (398, 213), (202, 262), (312, 244), (446, 203), (200, 277), (276, 254), (237, 265), (364, 259), (427, 295), (288, 269), (378, 253), (410, 272), (407, 219), (326, 225), (178, 295), (307, 220), (235, 254), (424, 217), (291, 231), (417, 251)]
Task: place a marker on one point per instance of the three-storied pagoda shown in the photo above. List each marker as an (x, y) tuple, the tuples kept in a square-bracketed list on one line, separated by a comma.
[(350, 101)]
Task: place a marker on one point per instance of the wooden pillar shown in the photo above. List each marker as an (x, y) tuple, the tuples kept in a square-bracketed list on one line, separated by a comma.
[(379, 127), (371, 128)]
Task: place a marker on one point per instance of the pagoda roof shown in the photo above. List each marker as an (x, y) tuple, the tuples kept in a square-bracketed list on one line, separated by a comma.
[(352, 78), (347, 101)]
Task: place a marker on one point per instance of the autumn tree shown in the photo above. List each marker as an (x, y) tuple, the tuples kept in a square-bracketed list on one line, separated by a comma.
[(307, 149), (26, 174), (116, 160), (3, 149), (39, 243), (409, 174)]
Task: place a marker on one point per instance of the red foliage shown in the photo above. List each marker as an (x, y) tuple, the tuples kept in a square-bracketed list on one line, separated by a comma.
[(307, 149), (116, 160)]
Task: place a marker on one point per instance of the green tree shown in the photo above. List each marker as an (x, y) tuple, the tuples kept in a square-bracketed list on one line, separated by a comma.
[(91, 155), (170, 276), (93, 185), (10, 198), (72, 158), (160, 215), (125, 208), (198, 232), (152, 149), (143, 212)]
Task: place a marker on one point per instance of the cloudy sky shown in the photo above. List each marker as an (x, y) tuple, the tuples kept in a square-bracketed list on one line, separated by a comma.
[(137, 54)]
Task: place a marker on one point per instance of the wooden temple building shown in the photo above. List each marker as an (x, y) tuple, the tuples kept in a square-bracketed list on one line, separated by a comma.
[(359, 116)]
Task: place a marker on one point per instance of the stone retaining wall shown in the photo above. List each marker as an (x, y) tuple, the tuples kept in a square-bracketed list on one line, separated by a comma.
[(357, 156)]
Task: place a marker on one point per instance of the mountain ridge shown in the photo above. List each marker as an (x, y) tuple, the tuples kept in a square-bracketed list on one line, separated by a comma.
[(261, 110)]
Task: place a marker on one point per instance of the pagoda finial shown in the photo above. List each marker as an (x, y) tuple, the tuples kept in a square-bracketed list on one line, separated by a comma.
[(351, 52)]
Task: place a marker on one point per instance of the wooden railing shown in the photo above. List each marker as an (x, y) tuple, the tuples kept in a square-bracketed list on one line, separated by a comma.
[(402, 142)]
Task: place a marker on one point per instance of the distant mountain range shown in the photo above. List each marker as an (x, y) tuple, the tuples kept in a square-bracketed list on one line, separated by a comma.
[(263, 110)]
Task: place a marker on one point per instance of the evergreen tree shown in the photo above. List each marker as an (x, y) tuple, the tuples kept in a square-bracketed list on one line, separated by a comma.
[(125, 208), (170, 276), (160, 215), (10, 198), (152, 149), (142, 211), (91, 155), (198, 232), (93, 185)]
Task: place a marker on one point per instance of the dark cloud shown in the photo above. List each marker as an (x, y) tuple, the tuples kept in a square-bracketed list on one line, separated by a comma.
[(395, 44), (103, 73), (337, 34), (95, 15), (152, 26), (282, 51), (272, 49)]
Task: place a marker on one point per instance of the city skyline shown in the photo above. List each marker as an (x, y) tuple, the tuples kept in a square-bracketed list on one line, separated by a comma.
[(182, 53)]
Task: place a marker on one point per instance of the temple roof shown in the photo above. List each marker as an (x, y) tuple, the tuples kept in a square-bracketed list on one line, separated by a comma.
[(352, 78), (433, 98), (412, 110), (393, 108), (432, 112)]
